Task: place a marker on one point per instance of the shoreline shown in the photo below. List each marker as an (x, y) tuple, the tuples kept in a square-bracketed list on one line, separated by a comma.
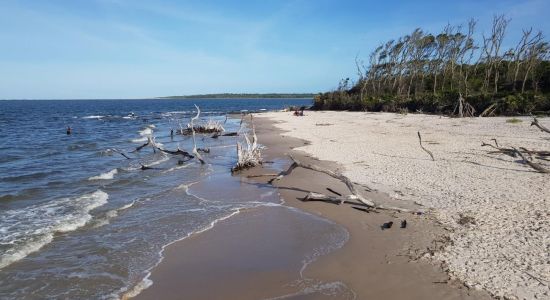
[(372, 263)]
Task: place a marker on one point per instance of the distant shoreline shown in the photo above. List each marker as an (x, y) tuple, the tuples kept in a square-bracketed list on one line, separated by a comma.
[(243, 96)]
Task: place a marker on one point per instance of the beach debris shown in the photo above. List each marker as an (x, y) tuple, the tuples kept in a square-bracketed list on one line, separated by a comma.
[(464, 108), (312, 167), (197, 155), (204, 150), (352, 199), (515, 152), (334, 192), (211, 126), (178, 152), (142, 146), (532, 164), (116, 151), (404, 224), (387, 225), (144, 167), (542, 128), (489, 111), (361, 209), (251, 155), (423, 148)]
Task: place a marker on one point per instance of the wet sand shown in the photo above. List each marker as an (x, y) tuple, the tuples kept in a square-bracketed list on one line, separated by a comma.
[(257, 253)]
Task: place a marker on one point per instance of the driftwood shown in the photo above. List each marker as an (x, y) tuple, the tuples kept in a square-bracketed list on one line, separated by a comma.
[(532, 164), (427, 151), (121, 153), (489, 111), (251, 155), (506, 151), (178, 152), (218, 134), (355, 198), (338, 176), (144, 167), (514, 152), (334, 192), (143, 146), (197, 155), (464, 108), (542, 128)]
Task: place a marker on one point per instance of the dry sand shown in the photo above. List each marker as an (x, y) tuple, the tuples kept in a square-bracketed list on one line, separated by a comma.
[(504, 248)]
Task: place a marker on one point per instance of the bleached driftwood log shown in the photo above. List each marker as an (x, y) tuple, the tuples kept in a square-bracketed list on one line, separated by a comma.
[(211, 126), (542, 128), (197, 155), (489, 111), (421, 146), (249, 156), (295, 164), (355, 198)]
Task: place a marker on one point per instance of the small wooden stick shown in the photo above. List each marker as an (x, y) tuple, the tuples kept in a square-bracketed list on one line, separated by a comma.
[(427, 151)]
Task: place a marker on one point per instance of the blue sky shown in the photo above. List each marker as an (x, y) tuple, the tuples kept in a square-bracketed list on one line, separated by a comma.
[(134, 49)]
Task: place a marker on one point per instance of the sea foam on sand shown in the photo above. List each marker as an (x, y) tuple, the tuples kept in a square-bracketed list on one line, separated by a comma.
[(504, 246)]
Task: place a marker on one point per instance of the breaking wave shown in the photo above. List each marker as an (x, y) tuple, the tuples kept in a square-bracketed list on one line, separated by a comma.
[(28, 229)]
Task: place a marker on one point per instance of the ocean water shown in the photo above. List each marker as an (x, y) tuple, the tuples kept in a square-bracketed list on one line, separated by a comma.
[(80, 221)]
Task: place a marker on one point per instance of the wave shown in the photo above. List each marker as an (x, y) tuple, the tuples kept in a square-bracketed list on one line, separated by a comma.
[(146, 131), (28, 229), (93, 117), (113, 213), (105, 176), (140, 140)]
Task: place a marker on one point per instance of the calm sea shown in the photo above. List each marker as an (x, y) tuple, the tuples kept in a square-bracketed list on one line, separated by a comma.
[(80, 221)]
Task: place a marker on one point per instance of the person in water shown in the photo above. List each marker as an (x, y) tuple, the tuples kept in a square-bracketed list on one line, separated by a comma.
[(68, 130)]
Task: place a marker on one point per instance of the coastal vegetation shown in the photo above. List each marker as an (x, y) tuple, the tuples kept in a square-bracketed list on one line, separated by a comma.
[(437, 73), (243, 96)]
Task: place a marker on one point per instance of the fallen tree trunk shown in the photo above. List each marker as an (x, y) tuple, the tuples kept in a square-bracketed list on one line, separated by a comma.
[(542, 128), (177, 152), (338, 176)]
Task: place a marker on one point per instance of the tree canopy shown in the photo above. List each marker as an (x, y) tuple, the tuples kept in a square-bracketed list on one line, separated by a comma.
[(429, 72)]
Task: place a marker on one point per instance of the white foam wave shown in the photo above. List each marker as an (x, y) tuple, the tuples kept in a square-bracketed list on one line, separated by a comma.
[(30, 228), (138, 288), (176, 168), (93, 117), (146, 131), (151, 126), (106, 219), (159, 161), (140, 140), (105, 176)]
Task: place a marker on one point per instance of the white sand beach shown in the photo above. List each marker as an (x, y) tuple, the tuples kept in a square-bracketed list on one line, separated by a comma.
[(497, 209)]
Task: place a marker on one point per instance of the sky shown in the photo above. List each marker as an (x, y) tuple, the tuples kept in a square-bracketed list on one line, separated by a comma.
[(92, 49)]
